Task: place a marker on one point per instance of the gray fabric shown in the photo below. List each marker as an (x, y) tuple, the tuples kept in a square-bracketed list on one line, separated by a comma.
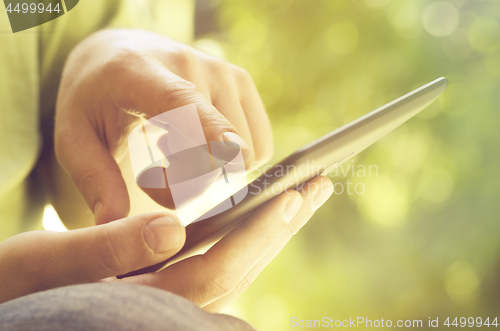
[(105, 306)]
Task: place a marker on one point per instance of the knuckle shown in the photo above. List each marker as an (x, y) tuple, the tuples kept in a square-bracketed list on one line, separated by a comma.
[(245, 282), (242, 75), (123, 61), (180, 92), (221, 68), (221, 284), (87, 179), (113, 258), (182, 57)]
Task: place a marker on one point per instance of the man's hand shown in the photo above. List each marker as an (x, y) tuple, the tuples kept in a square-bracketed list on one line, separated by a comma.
[(116, 77), (36, 261), (214, 279), (112, 81), (41, 260)]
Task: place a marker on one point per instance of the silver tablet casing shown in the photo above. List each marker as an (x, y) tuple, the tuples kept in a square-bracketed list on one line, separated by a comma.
[(315, 158)]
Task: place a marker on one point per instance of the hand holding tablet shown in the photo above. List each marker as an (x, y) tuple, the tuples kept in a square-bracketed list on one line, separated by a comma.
[(316, 158)]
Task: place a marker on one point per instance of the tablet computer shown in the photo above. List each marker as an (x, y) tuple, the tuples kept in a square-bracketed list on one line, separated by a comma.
[(316, 158)]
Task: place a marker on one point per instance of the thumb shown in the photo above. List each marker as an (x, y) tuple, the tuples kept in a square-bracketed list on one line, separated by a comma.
[(91, 166), (94, 253), (116, 248)]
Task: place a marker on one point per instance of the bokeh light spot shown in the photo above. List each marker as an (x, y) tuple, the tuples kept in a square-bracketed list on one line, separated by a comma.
[(492, 64), (342, 37), (405, 17), (484, 34), (409, 154), (376, 3), (440, 18), (435, 185), (461, 281), (385, 201)]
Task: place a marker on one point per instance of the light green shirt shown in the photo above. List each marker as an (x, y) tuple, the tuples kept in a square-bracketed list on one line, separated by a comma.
[(31, 63)]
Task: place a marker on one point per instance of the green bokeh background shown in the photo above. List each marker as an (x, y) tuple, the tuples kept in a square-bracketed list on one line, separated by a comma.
[(423, 239)]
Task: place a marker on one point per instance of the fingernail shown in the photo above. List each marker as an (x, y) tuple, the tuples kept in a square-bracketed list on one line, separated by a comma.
[(99, 206), (163, 234), (233, 137), (321, 196), (292, 207)]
